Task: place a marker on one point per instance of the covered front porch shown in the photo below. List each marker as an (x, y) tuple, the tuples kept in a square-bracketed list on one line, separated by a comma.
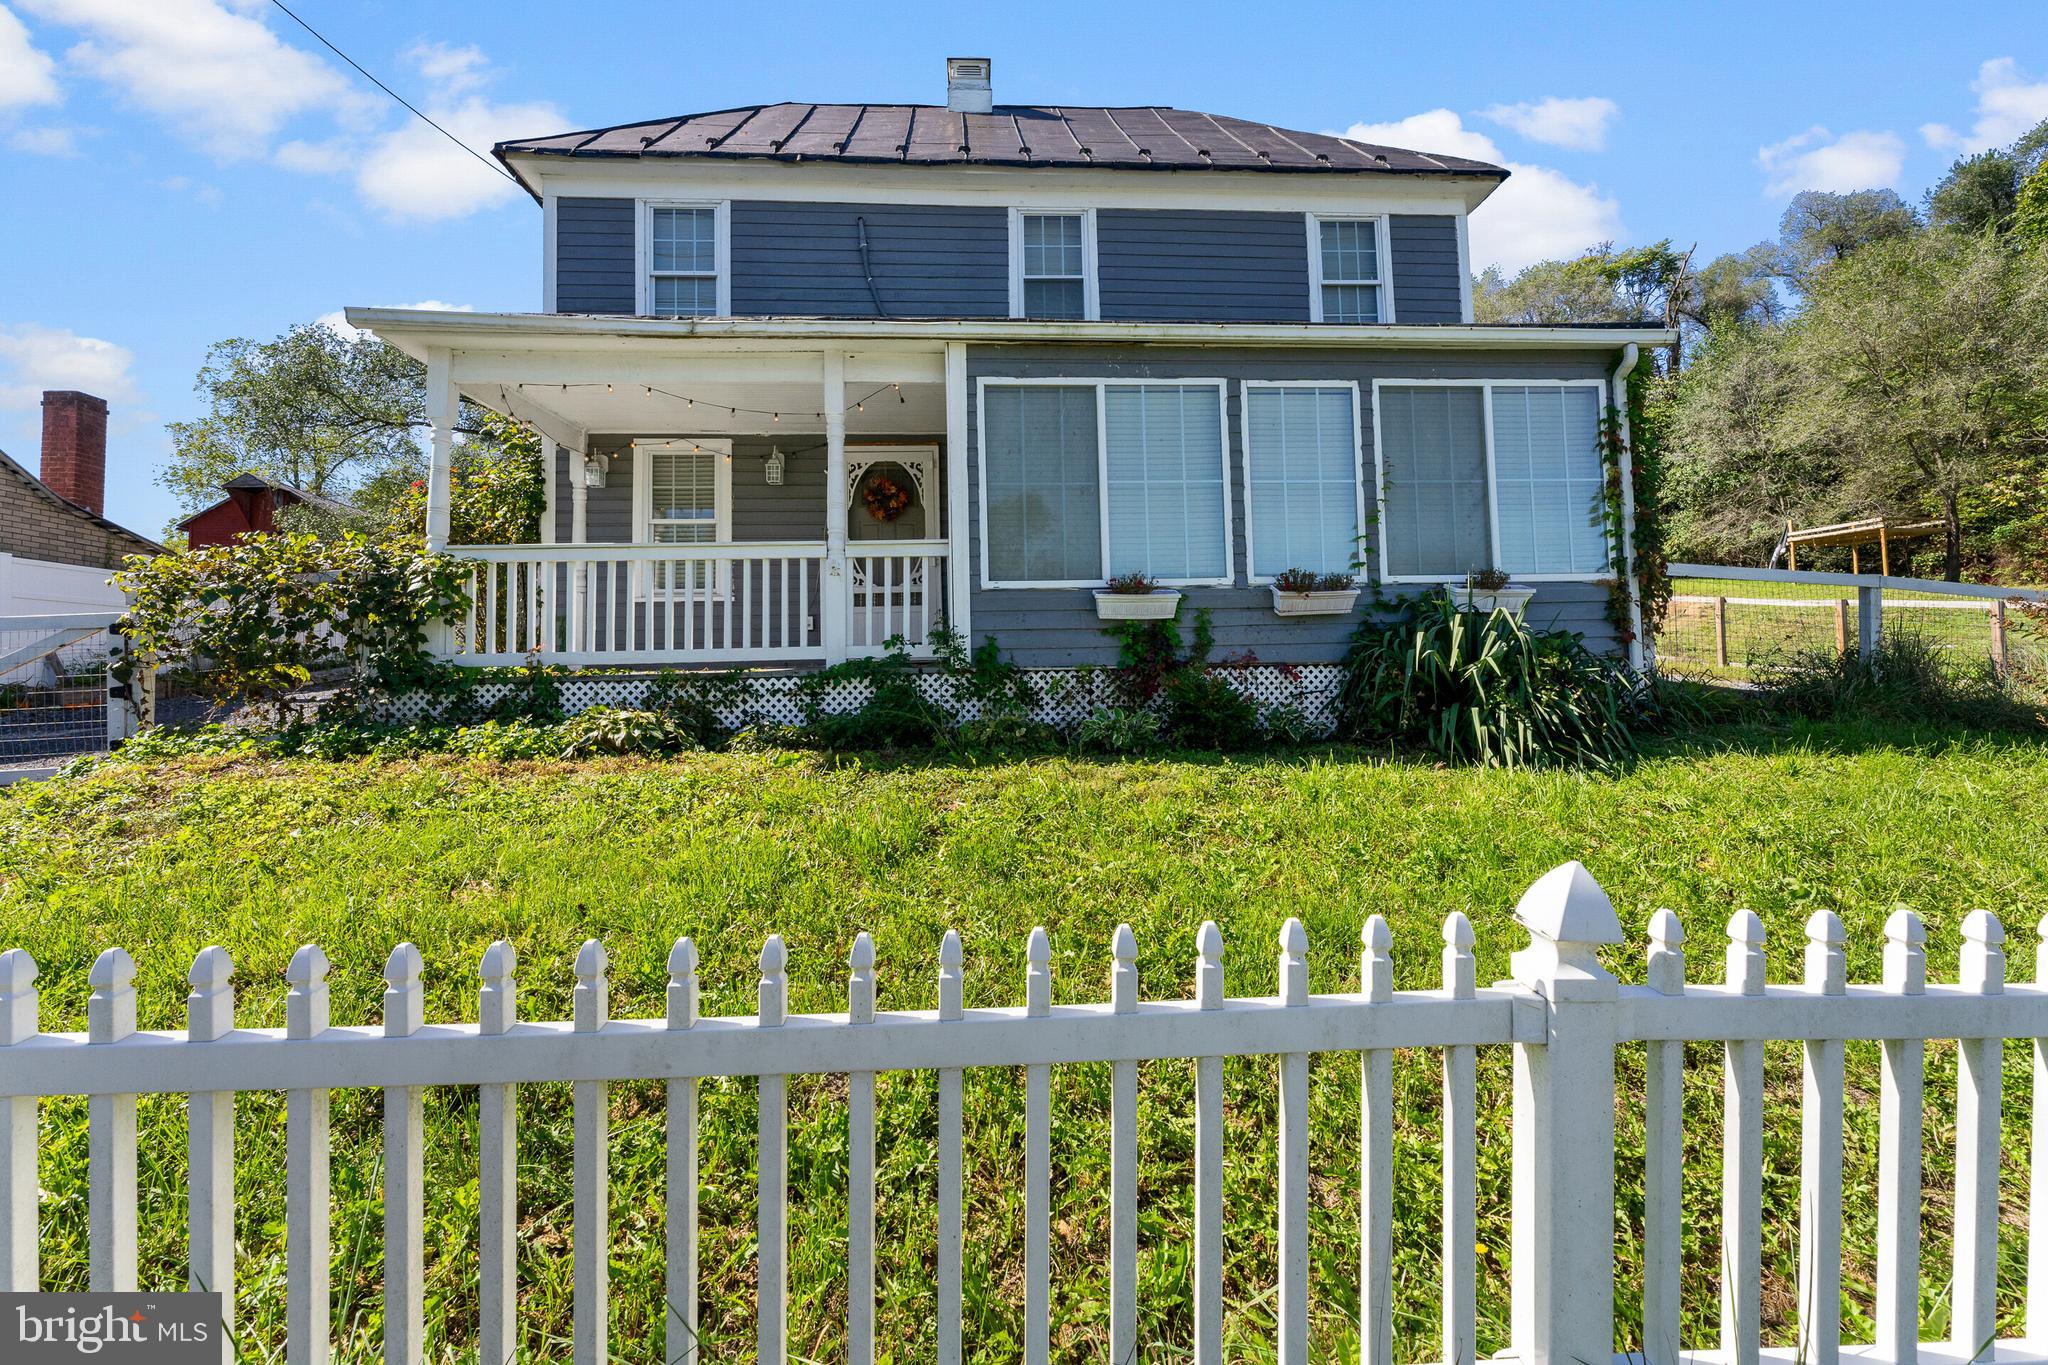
[(712, 501)]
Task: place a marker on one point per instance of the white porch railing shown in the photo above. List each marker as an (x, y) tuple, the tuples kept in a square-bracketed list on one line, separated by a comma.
[(754, 602), (1563, 1015)]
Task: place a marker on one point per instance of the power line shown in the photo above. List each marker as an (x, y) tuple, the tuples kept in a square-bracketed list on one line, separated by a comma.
[(494, 166)]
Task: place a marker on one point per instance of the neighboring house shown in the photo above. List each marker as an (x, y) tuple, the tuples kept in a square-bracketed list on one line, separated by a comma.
[(57, 550), (251, 505), (822, 374)]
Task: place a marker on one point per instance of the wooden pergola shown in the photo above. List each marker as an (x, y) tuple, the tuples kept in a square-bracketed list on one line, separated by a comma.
[(1879, 531)]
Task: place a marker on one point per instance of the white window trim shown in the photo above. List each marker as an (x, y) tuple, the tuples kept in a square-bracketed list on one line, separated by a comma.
[(1486, 386), (643, 501), (1383, 251), (643, 250), (1244, 417), (1101, 386), (1091, 290)]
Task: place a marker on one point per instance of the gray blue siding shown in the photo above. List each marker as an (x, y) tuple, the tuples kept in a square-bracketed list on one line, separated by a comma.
[(1427, 283), (804, 259), (1175, 265), (1154, 265), (1057, 627), (594, 255)]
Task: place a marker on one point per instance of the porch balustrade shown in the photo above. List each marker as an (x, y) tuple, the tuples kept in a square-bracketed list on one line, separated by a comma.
[(760, 602)]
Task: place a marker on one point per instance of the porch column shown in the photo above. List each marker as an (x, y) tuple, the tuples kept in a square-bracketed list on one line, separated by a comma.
[(837, 599), (579, 534), (442, 402), (959, 533)]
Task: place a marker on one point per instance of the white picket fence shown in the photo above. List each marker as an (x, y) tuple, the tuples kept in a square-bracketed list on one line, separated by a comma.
[(1563, 1014)]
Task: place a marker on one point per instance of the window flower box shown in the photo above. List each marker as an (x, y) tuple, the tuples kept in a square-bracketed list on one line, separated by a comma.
[(1160, 604), (1512, 598), (1315, 602)]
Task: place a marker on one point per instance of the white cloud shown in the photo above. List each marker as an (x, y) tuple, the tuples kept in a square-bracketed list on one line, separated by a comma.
[(27, 74), (220, 77), (1818, 160), (415, 173), (1580, 124), (337, 322), (1538, 214), (34, 358), (450, 70), (51, 141), (2007, 106)]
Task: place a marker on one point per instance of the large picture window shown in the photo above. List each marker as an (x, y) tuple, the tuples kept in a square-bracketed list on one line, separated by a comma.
[(1302, 485), (1086, 480), (1490, 475)]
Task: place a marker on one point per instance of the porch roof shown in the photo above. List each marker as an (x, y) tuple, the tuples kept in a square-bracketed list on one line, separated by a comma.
[(417, 330)]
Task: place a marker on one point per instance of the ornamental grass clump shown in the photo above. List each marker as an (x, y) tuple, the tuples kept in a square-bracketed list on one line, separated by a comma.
[(1488, 690)]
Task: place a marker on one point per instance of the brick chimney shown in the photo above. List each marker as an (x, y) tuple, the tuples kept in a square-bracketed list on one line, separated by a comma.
[(75, 448)]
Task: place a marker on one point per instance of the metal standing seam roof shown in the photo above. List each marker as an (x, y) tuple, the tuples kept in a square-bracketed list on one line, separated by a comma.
[(1145, 137)]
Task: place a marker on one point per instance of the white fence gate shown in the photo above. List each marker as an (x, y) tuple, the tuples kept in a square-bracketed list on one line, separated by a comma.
[(1563, 1014), (59, 695)]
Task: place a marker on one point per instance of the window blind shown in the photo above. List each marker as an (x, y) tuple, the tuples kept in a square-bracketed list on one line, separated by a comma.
[(1547, 475), (1301, 453), (1433, 480), (1164, 447), (1043, 484)]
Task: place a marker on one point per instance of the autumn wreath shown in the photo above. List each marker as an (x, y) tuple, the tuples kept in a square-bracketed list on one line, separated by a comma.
[(886, 499)]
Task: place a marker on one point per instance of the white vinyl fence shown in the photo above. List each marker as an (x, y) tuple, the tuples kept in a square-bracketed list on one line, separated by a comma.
[(1563, 1015)]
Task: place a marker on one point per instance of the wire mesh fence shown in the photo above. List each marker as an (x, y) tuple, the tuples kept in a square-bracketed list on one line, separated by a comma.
[(53, 690), (1738, 624)]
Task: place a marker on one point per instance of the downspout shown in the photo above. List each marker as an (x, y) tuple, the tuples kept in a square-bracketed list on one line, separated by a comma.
[(1637, 650), (867, 267)]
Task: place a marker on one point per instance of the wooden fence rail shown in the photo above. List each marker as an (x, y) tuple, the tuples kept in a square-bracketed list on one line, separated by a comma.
[(1562, 1013)]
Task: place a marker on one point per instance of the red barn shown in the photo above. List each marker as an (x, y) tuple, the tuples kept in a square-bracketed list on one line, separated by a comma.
[(252, 504)]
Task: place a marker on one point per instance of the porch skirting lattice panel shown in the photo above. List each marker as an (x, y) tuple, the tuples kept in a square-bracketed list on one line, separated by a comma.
[(1065, 695)]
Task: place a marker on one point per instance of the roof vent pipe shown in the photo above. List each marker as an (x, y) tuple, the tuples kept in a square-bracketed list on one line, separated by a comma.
[(969, 89)]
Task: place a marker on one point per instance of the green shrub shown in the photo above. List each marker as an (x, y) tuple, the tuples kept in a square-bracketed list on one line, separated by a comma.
[(1290, 725), (1205, 711), (896, 715), (1905, 679), (1120, 730), (697, 702), (1486, 690), (605, 730)]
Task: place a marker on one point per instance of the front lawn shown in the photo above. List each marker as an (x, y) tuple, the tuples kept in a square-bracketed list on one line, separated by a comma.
[(261, 856)]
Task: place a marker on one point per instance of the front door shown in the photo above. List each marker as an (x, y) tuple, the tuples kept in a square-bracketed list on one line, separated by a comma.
[(892, 496)]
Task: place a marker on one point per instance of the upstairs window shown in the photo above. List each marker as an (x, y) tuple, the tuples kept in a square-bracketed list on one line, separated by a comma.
[(1346, 260), (1052, 259), (685, 275)]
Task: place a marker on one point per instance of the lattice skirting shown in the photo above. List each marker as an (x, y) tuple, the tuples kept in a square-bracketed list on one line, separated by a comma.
[(1066, 696)]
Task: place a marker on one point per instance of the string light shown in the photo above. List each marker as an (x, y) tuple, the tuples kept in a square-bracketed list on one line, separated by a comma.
[(690, 401)]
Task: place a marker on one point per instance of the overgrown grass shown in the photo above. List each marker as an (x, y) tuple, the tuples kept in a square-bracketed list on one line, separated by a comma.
[(261, 856)]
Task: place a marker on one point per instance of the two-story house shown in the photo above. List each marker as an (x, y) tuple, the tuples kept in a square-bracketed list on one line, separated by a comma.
[(823, 374)]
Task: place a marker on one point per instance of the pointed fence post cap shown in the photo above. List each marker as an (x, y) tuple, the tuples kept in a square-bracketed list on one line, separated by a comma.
[(1038, 949), (774, 959), (500, 961), (212, 968), (1825, 927), (1666, 929), (308, 966), (18, 971), (861, 957), (1209, 941), (1374, 934), (1745, 927), (1293, 937), (1124, 947), (1457, 930), (949, 949), (682, 959), (1905, 927), (1981, 926), (591, 960), (1565, 905), (114, 969), (402, 969)]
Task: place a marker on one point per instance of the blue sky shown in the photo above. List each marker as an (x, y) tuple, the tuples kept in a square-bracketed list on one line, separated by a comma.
[(173, 172)]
